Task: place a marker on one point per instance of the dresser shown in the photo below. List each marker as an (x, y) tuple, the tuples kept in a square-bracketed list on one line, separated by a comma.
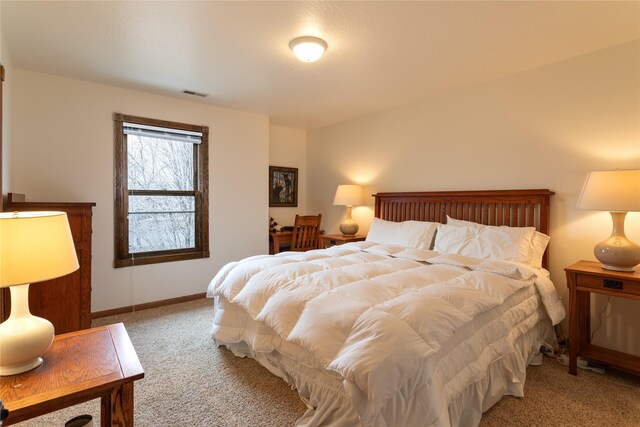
[(65, 301)]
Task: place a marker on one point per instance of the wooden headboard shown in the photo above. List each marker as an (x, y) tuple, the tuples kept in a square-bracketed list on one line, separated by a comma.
[(515, 208)]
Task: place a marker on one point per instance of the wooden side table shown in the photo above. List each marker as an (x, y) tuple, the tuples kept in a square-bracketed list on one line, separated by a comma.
[(328, 240), (80, 366), (584, 278), (277, 238)]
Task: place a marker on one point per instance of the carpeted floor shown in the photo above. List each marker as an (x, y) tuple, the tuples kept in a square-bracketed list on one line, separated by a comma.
[(190, 382)]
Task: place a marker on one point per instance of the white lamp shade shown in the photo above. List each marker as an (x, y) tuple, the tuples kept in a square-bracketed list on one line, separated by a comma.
[(348, 195), (613, 191), (35, 246), (308, 49)]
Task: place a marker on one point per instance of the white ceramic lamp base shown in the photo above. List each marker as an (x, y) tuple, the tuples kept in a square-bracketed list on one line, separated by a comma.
[(348, 227), (617, 252), (23, 336)]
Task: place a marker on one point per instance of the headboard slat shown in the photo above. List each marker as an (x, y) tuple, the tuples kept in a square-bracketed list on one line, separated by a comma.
[(513, 221)]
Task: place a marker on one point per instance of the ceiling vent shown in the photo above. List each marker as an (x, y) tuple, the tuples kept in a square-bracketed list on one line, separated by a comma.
[(190, 92)]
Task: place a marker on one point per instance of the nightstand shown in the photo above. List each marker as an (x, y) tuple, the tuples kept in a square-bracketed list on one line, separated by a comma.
[(79, 366), (328, 240), (584, 278)]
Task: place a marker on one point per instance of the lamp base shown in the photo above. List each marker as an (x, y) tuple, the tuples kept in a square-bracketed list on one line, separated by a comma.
[(23, 336), (349, 228), (618, 253), (18, 369), (615, 268)]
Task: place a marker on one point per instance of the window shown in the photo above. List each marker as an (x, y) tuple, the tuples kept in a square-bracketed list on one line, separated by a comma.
[(161, 191)]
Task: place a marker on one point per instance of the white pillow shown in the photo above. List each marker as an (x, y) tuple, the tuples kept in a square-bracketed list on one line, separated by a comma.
[(461, 223), (505, 243), (539, 241), (410, 234), (539, 244)]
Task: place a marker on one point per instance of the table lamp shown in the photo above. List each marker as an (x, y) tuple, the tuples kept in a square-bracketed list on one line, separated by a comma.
[(617, 192), (349, 196), (34, 246)]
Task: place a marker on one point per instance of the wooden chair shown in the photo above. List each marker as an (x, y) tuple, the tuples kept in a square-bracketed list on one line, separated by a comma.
[(306, 233)]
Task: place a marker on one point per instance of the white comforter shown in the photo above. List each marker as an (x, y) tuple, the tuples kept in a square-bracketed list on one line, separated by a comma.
[(401, 327)]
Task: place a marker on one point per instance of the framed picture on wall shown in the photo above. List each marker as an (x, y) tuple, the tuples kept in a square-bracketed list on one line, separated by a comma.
[(283, 187)]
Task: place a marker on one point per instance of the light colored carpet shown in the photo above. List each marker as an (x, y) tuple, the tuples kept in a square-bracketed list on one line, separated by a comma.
[(190, 382)]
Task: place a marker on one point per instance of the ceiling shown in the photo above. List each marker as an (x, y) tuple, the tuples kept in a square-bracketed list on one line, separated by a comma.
[(381, 54)]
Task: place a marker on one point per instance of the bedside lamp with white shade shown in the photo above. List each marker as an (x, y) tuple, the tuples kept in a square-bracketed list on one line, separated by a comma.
[(617, 192), (348, 195), (34, 247)]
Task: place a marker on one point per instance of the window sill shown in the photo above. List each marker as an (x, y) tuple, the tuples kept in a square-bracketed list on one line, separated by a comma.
[(157, 259)]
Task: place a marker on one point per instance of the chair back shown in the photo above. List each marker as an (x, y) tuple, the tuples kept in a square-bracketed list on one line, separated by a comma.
[(306, 232)]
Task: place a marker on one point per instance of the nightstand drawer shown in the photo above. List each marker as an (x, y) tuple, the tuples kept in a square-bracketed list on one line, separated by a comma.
[(329, 240), (609, 285)]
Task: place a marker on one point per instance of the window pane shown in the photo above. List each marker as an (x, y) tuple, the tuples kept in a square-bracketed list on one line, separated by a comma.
[(159, 164), (159, 223), (159, 204)]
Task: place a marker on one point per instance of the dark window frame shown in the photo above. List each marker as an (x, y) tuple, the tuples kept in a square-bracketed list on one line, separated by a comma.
[(122, 257)]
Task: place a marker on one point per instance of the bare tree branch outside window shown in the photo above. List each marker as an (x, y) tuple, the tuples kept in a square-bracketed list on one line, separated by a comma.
[(160, 222)]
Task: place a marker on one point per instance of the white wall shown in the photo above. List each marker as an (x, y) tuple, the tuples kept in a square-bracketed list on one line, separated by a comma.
[(288, 148), (62, 150), (545, 128), (7, 93)]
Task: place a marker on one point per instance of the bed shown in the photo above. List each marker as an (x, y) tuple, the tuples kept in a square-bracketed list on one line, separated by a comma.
[(429, 322)]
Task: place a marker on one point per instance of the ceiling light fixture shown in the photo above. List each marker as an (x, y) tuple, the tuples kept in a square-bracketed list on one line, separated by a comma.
[(308, 49)]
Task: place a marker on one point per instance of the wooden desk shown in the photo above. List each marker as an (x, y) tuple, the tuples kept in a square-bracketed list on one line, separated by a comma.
[(79, 366), (277, 238), (584, 278)]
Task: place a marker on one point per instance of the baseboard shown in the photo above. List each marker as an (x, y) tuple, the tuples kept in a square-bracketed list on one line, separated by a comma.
[(146, 305)]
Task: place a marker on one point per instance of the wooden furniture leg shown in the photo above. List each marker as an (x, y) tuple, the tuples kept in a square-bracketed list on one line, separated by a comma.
[(105, 410), (573, 325)]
